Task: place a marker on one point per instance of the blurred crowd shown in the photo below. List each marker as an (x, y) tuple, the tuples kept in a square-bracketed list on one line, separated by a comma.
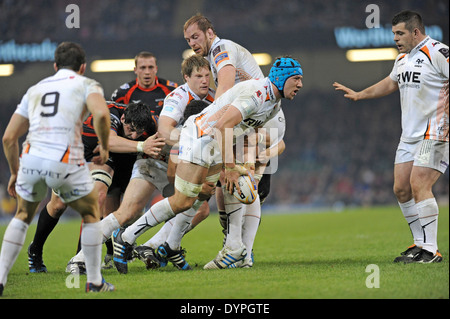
[(122, 20)]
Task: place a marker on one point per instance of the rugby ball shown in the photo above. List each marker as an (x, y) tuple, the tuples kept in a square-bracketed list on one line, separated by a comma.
[(249, 190)]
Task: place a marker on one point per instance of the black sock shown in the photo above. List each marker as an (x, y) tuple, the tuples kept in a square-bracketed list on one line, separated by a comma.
[(45, 226), (109, 247)]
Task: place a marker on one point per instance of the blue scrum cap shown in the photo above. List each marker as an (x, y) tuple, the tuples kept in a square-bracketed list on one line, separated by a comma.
[(282, 69)]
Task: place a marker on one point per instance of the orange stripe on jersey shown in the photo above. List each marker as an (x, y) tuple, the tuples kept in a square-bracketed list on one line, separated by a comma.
[(91, 134), (127, 97), (65, 158), (426, 52), (26, 149), (427, 132), (197, 120), (210, 98), (190, 97), (401, 57)]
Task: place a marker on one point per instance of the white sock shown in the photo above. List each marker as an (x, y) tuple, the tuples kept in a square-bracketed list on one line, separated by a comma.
[(234, 210), (13, 240), (428, 213), (161, 236), (412, 218), (158, 213), (91, 244), (108, 225), (250, 224), (181, 225)]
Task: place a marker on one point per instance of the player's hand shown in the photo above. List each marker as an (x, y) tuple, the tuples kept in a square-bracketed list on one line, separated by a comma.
[(153, 145), (103, 156), (231, 177), (12, 186), (208, 189), (349, 93)]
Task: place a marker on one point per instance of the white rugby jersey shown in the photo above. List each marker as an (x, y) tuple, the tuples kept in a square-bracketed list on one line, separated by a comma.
[(255, 100), (224, 52), (422, 77), (276, 128), (56, 109), (175, 103)]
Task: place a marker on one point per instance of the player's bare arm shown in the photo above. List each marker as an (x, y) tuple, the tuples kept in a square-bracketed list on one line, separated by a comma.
[(380, 89), (151, 146), (226, 78), (17, 127), (167, 130)]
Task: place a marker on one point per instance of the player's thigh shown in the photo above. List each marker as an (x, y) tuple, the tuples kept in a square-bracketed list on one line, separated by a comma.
[(135, 198), (87, 207), (192, 173)]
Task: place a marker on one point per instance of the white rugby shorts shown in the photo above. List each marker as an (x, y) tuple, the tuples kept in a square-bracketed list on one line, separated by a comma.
[(201, 150), (425, 153), (69, 181), (152, 171), (433, 154)]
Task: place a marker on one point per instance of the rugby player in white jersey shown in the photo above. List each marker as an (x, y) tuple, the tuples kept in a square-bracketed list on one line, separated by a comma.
[(206, 147), (196, 73), (150, 174), (421, 73), (52, 112), (230, 63)]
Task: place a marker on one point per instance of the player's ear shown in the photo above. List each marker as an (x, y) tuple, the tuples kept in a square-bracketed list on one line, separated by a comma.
[(55, 66), (82, 69)]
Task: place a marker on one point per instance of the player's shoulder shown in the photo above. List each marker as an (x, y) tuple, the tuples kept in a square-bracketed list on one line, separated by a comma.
[(167, 83), (222, 45), (437, 49), (116, 105), (122, 90), (179, 93)]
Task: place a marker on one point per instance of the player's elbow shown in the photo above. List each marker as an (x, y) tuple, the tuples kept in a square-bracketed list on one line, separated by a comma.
[(9, 140), (6, 140)]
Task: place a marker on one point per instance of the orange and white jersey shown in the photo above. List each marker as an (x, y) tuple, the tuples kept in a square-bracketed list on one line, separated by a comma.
[(225, 52), (56, 109), (422, 76), (255, 100), (175, 103)]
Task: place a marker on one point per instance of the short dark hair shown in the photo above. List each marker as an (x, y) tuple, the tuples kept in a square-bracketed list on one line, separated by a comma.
[(69, 55), (139, 115), (411, 19), (194, 107)]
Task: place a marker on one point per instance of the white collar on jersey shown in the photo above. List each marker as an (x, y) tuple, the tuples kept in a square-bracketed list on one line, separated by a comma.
[(419, 46)]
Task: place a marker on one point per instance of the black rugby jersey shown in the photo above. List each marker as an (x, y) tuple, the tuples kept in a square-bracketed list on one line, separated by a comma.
[(153, 97)]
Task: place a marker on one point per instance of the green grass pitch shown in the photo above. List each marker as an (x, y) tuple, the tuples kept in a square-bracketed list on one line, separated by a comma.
[(325, 255)]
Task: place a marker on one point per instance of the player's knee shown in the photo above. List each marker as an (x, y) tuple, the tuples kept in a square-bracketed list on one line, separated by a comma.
[(56, 208), (402, 192)]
